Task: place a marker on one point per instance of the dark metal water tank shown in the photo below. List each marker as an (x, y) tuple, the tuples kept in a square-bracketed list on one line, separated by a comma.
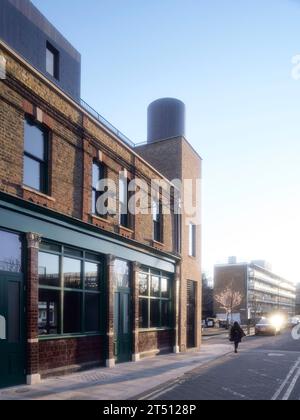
[(166, 119)]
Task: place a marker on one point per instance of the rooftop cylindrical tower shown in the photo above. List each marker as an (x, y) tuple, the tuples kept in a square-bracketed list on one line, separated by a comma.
[(166, 119)]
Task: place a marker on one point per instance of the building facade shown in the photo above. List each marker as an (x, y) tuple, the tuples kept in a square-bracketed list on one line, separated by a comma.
[(262, 291), (77, 288), (298, 299)]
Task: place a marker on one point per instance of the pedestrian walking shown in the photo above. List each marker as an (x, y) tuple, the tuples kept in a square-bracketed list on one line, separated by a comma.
[(236, 335)]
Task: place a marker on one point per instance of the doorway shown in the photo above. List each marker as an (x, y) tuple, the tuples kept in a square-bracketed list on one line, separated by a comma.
[(122, 323), (12, 349), (191, 314)]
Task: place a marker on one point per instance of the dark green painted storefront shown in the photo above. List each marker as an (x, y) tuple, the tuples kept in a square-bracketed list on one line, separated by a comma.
[(22, 217)]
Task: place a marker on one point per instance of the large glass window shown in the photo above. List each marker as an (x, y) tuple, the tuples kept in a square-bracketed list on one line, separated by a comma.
[(155, 301), (35, 156), (70, 291), (10, 252)]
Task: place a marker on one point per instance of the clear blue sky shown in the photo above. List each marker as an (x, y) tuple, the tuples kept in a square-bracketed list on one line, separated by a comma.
[(230, 62)]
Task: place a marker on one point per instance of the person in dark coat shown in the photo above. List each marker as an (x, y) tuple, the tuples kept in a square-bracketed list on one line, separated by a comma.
[(236, 335)]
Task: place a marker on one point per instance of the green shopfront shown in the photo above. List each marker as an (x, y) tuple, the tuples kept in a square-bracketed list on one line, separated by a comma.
[(73, 297)]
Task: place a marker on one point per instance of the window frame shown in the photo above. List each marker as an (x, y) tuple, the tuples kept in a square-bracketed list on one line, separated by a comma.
[(157, 223), (83, 291), (102, 170), (151, 298), (21, 240), (125, 219), (43, 163), (192, 240), (56, 60)]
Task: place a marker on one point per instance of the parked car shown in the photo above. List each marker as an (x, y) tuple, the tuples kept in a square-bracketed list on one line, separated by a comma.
[(268, 326), (223, 323), (212, 323)]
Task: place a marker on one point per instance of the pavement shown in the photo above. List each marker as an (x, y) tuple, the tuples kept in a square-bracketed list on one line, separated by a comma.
[(123, 382), (210, 332), (266, 368)]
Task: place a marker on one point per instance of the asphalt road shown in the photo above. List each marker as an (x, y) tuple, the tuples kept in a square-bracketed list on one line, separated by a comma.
[(266, 368)]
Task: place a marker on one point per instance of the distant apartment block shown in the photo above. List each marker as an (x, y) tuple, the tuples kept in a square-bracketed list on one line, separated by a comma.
[(263, 292)]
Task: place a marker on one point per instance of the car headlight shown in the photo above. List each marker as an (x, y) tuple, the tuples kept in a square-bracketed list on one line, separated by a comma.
[(277, 321)]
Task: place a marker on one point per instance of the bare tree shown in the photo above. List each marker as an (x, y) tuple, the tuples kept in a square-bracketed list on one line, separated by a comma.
[(229, 299), (207, 298)]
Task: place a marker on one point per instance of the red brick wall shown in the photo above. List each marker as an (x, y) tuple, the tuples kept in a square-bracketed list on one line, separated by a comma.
[(75, 140), (175, 158), (55, 354), (156, 340)]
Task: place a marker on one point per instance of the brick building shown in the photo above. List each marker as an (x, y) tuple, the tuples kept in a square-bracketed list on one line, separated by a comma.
[(263, 292), (79, 289), (298, 299)]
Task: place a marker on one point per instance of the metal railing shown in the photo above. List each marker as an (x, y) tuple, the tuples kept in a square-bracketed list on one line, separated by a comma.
[(107, 124)]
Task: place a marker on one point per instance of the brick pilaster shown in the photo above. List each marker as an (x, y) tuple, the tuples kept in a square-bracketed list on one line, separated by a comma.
[(32, 299), (87, 181), (135, 311), (110, 359), (176, 299)]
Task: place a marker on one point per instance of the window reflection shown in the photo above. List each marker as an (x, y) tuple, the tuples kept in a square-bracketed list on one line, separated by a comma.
[(121, 273), (91, 276), (48, 269), (49, 304), (155, 286), (165, 292), (69, 288), (154, 299), (10, 252), (72, 273), (143, 284)]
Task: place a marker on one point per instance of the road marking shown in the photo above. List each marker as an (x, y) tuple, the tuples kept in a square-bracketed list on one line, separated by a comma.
[(236, 394), (286, 381), (161, 391), (291, 387), (275, 355), (164, 391)]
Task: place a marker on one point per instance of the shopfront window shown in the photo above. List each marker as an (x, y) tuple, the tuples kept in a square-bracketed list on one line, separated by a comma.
[(10, 252), (70, 291), (155, 301), (121, 274)]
